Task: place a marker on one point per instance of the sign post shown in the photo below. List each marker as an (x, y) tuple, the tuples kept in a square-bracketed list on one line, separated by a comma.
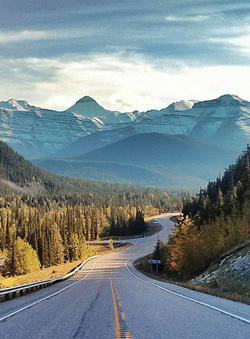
[(154, 262)]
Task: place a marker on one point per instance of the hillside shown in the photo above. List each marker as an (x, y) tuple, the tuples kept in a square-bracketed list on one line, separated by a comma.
[(215, 222), (19, 175), (147, 159)]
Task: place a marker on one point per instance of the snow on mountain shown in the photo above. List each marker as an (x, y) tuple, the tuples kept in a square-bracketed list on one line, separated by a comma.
[(37, 132), (19, 105), (182, 105), (88, 107), (224, 121)]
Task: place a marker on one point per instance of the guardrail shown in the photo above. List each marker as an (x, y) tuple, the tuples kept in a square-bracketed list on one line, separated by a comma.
[(34, 286), (116, 243)]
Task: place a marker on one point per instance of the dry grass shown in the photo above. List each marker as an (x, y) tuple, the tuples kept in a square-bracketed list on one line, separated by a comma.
[(50, 272)]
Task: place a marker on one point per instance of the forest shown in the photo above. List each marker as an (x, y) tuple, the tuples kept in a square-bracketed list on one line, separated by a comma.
[(212, 223), (53, 225)]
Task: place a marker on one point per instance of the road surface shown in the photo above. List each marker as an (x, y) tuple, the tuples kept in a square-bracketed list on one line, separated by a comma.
[(109, 298)]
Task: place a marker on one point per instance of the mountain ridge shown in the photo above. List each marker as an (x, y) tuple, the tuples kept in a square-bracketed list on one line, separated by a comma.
[(36, 132), (148, 159)]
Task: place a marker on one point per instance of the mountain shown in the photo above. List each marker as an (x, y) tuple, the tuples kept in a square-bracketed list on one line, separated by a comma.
[(147, 159), (100, 139), (88, 107), (224, 121), (33, 131), (36, 132), (19, 175)]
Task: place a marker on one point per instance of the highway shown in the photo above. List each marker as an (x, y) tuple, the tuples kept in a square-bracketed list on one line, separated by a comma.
[(109, 298)]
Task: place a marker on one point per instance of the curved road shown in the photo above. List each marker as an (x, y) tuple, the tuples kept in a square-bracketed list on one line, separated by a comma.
[(109, 298)]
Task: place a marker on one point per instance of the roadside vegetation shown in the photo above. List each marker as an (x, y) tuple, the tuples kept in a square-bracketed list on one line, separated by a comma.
[(56, 270), (213, 225)]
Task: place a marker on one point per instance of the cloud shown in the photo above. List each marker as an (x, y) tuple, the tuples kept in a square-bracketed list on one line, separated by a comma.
[(23, 36), (243, 42), (117, 81), (32, 35), (190, 18)]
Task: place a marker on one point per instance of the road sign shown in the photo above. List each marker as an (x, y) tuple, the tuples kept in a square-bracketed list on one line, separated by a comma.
[(152, 261)]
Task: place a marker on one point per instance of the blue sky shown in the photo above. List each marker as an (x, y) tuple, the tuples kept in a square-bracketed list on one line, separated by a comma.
[(126, 54)]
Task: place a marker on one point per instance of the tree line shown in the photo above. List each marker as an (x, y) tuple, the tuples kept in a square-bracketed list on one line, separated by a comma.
[(59, 233), (213, 222)]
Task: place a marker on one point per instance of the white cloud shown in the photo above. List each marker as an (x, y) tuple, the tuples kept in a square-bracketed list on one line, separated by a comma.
[(29, 35), (243, 42), (190, 18), (11, 36), (118, 82), (240, 42)]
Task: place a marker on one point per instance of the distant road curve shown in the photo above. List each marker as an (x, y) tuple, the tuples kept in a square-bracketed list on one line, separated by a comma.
[(109, 298)]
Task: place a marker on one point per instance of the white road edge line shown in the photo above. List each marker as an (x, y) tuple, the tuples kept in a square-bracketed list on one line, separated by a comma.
[(183, 296), (48, 297)]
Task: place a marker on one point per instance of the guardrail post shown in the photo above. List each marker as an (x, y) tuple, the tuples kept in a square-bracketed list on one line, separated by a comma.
[(7, 297)]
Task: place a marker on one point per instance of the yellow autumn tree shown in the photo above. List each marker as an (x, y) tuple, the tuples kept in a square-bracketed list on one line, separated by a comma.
[(21, 259)]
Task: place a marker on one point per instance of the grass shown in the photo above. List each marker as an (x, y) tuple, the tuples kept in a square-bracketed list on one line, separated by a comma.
[(51, 272), (232, 291)]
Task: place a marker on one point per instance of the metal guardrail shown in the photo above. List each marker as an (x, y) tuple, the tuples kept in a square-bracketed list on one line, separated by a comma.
[(116, 243), (34, 286)]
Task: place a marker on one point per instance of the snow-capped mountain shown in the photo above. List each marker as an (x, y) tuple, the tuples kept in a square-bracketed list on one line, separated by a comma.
[(88, 107), (37, 132), (205, 119), (224, 121)]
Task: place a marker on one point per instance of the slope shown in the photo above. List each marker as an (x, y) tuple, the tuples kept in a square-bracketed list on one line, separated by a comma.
[(148, 159), (19, 175)]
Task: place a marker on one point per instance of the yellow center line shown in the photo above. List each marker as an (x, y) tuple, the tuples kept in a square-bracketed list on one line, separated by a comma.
[(123, 315), (127, 335), (116, 314)]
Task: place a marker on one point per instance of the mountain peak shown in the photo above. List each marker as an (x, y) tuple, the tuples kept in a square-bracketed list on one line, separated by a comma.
[(226, 100), (229, 98), (85, 99), (18, 105), (88, 107)]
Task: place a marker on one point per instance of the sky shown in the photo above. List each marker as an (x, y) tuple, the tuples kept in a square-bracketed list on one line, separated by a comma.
[(127, 55)]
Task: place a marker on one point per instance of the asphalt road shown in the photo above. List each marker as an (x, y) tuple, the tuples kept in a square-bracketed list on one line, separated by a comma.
[(109, 298)]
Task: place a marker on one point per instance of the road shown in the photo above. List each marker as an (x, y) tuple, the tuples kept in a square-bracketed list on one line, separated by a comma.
[(109, 298)]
